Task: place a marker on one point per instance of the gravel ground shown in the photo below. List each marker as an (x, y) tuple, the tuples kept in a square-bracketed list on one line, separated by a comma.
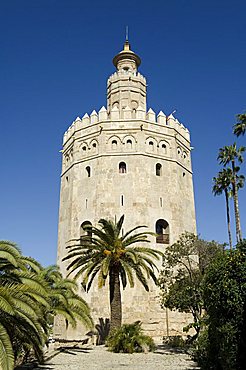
[(90, 358)]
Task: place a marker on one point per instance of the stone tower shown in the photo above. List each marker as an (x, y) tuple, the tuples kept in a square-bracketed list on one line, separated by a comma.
[(125, 160)]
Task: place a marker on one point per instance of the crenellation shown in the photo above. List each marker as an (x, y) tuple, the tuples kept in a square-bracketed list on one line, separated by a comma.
[(102, 114), (127, 113), (115, 113), (140, 113), (161, 118), (93, 117), (150, 116), (78, 124), (85, 119)]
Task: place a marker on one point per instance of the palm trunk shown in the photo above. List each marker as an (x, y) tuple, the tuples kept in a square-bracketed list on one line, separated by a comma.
[(236, 207), (228, 218), (115, 299)]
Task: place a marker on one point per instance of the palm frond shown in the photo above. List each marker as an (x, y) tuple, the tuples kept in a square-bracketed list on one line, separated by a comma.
[(6, 350)]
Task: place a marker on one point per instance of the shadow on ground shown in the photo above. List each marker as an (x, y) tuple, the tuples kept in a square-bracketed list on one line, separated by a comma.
[(74, 350), (163, 349)]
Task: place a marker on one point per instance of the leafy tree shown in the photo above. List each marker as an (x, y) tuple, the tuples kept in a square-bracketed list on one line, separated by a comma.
[(230, 154), (224, 294), (107, 254), (240, 127), (222, 184), (184, 265)]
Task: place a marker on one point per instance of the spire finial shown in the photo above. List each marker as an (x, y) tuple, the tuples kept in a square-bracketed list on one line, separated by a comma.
[(126, 33), (126, 44)]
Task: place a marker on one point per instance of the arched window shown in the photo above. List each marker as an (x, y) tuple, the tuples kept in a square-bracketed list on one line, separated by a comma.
[(88, 170), (86, 232), (129, 144), (163, 148), (162, 231), (158, 167), (122, 167), (151, 146), (114, 144)]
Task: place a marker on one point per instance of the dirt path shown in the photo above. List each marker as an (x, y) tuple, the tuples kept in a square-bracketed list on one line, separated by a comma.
[(90, 358)]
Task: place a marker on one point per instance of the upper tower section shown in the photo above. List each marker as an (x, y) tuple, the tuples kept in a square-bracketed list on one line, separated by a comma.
[(126, 88)]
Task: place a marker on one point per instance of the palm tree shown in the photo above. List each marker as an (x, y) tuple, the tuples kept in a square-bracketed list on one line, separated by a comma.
[(63, 298), (20, 327), (30, 297), (230, 154), (222, 184), (240, 127), (106, 254)]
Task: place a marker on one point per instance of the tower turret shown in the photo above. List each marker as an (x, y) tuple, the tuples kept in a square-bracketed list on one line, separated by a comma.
[(126, 88)]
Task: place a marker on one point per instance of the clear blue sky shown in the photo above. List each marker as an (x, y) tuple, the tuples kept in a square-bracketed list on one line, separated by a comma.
[(55, 58)]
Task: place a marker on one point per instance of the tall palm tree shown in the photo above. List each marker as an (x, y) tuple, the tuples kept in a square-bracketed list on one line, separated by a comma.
[(240, 127), (222, 184), (229, 155), (107, 254)]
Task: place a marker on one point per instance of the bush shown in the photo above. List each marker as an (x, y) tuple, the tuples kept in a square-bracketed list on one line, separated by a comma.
[(129, 339), (200, 351), (175, 341)]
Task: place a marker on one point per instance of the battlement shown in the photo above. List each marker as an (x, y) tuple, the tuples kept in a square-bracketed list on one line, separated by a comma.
[(118, 75), (139, 115)]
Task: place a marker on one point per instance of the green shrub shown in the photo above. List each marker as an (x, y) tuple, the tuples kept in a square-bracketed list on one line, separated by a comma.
[(129, 339), (200, 351), (175, 341)]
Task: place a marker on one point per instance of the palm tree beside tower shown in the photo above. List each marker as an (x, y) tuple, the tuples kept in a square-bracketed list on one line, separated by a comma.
[(107, 254), (222, 184), (240, 127), (232, 155)]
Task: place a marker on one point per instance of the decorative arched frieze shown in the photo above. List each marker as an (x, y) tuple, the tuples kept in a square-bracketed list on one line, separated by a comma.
[(84, 148), (129, 142), (163, 147), (114, 143), (151, 145), (93, 147)]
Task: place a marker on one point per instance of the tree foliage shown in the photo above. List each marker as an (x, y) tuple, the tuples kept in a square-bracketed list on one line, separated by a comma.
[(233, 155), (184, 265), (240, 126), (224, 294)]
